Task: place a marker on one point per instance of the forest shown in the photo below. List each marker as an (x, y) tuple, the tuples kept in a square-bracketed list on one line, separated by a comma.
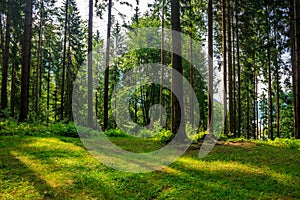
[(219, 77)]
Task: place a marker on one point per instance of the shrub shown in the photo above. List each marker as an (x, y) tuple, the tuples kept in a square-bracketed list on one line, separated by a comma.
[(116, 133), (61, 129), (165, 136)]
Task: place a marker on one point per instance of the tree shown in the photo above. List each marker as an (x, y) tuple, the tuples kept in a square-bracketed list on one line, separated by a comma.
[(230, 66), (64, 61), (90, 66), (5, 56), (177, 101), (297, 55), (224, 52), (162, 61), (106, 78), (26, 53), (210, 66)]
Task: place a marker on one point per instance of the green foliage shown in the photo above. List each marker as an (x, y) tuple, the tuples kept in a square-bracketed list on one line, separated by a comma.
[(12, 127), (67, 130), (116, 133), (165, 136)]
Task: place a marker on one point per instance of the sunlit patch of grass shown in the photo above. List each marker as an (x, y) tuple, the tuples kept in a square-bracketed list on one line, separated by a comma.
[(60, 168)]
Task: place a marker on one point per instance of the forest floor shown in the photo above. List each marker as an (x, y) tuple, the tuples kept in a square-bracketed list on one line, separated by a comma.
[(56, 167)]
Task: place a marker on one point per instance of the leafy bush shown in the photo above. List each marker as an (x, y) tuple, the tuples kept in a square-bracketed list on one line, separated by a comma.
[(61, 129), (165, 136), (116, 133)]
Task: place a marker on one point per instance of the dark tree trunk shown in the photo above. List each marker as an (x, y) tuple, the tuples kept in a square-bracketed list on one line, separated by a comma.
[(270, 120), (238, 73), (230, 92), (90, 66), (106, 81), (210, 68), (224, 52), (26, 51), (297, 52), (162, 61), (69, 86), (293, 59), (48, 95), (1, 35), (5, 57), (234, 68), (277, 92), (62, 100), (177, 102), (13, 80), (192, 120)]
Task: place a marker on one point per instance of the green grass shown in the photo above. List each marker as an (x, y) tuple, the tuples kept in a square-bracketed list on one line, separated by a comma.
[(54, 167)]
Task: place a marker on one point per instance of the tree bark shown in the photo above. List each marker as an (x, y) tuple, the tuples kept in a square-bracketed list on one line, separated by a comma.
[(162, 61), (106, 81), (62, 100), (239, 73), (224, 52), (13, 79), (210, 68), (5, 58), (90, 66), (297, 52), (293, 59), (177, 85), (230, 92), (26, 53), (270, 120), (39, 59)]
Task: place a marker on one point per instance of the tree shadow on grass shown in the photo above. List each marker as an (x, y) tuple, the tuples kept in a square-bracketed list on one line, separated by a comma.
[(75, 180), (15, 171)]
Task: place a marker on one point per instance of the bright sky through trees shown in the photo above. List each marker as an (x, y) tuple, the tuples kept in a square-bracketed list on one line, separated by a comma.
[(101, 24)]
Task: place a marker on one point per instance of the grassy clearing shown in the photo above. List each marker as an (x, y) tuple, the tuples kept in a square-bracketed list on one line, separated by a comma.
[(60, 168)]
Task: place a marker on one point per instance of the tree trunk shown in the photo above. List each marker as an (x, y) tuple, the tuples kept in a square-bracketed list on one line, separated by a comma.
[(26, 51), (177, 86), (230, 99), (39, 59), (297, 52), (224, 53), (1, 36), (48, 95), (277, 90), (5, 58), (106, 81), (62, 101), (192, 120), (293, 59), (239, 74), (90, 66), (234, 70), (270, 120), (210, 68), (192, 117), (13, 79), (69, 86), (162, 62)]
